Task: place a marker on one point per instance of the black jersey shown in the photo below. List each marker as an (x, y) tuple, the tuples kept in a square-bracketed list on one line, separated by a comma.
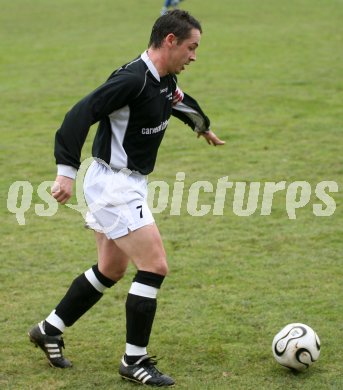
[(133, 108)]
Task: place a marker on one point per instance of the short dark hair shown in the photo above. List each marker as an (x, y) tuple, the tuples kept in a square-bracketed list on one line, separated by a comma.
[(177, 22)]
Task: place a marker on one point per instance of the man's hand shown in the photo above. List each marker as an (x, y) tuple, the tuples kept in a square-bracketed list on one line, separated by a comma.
[(62, 189), (211, 138)]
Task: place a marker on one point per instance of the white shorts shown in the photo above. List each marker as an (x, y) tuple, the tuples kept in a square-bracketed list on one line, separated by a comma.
[(117, 200)]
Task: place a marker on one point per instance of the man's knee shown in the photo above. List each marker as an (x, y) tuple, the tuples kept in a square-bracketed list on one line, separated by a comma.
[(112, 272), (161, 268)]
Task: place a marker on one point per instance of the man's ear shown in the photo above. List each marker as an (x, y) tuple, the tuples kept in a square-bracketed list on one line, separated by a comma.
[(171, 39)]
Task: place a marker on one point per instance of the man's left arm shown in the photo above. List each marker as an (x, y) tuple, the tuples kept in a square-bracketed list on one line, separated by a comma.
[(188, 110)]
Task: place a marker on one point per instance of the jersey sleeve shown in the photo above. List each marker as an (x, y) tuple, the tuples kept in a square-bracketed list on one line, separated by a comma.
[(188, 110), (112, 95)]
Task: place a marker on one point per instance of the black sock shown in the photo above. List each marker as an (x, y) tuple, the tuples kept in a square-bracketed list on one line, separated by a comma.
[(141, 309), (51, 330), (85, 290), (131, 359)]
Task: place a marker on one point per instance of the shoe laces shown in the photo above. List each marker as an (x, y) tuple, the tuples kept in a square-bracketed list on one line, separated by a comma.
[(61, 343), (149, 363)]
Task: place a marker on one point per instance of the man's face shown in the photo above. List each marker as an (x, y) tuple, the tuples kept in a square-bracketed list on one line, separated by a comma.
[(183, 53)]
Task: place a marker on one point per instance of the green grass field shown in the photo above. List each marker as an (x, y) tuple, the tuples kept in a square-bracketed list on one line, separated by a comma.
[(269, 75)]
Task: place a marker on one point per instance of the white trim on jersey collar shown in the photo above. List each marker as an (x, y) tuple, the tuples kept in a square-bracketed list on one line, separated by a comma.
[(150, 65)]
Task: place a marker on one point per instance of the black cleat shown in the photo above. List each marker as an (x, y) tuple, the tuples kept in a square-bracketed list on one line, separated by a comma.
[(50, 345), (144, 372)]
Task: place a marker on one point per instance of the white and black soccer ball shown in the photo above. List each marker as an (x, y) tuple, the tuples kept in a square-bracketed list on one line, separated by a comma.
[(296, 346)]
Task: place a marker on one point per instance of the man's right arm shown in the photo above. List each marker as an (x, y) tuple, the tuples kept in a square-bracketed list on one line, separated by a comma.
[(62, 190), (69, 139), (100, 103)]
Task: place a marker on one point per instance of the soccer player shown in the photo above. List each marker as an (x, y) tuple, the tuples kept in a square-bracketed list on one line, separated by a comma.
[(169, 4), (133, 108)]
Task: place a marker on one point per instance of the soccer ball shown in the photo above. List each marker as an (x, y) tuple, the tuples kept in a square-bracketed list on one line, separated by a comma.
[(296, 346)]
